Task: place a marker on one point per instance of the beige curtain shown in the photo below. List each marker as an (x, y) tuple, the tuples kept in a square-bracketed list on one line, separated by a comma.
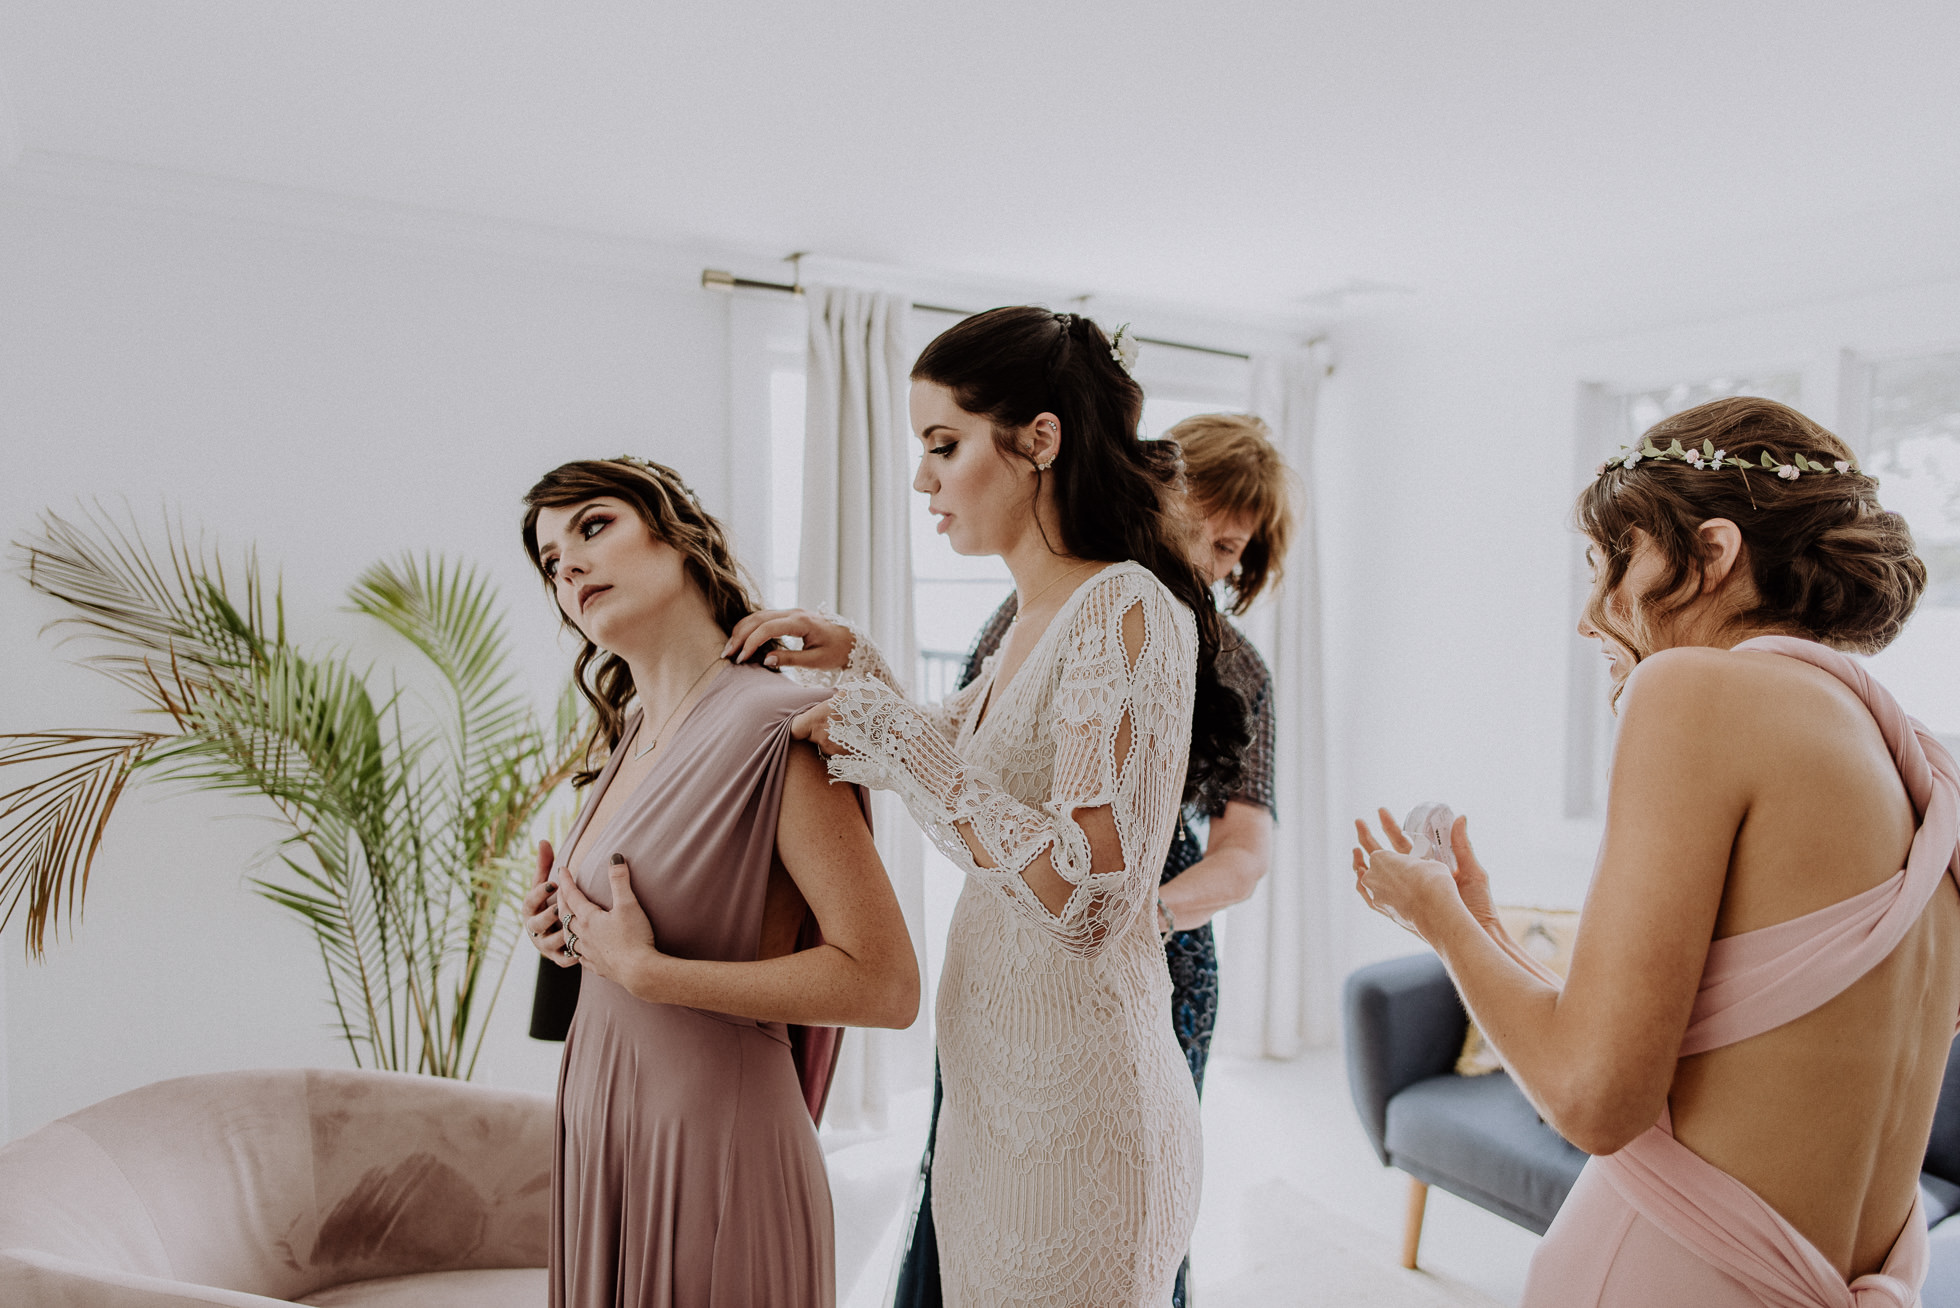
[(856, 560), (1279, 984)]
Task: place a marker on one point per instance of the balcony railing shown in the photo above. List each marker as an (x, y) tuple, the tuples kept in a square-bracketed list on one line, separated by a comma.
[(938, 674)]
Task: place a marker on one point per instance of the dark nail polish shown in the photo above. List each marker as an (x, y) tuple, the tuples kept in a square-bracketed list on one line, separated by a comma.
[(619, 858)]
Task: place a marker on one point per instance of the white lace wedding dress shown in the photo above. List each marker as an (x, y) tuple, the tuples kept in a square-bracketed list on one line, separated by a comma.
[(1068, 1160)]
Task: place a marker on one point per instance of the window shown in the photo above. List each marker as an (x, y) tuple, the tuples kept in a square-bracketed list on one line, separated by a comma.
[(1612, 419), (1910, 441), (1163, 412), (1639, 410), (951, 595), (787, 387)]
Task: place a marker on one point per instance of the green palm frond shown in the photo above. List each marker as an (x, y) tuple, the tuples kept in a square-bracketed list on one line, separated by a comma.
[(405, 833), (353, 949), (448, 612), (50, 828), (145, 609)]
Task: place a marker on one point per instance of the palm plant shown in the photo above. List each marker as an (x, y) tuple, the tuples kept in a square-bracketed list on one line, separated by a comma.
[(404, 819)]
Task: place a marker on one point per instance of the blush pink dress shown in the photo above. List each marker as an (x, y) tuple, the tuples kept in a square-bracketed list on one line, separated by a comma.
[(1655, 1223), (687, 1172)]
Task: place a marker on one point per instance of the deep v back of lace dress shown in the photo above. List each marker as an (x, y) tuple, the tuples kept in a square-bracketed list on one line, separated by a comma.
[(1752, 983)]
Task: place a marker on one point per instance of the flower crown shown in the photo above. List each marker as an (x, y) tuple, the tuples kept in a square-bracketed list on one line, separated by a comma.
[(1710, 457)]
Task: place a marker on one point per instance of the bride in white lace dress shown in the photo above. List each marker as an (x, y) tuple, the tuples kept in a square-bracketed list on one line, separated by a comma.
[(1068, 1160)]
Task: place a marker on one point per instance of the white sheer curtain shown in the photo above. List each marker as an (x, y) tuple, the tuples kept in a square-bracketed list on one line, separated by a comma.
[(856, 559), (1279, 983)]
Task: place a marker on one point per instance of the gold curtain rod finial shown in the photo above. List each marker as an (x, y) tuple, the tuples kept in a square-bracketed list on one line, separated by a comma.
[(716, 279)]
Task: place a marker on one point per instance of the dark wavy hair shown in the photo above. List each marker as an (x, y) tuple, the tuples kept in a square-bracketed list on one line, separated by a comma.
[(1827, 560), (673, 513), (1119, 497)]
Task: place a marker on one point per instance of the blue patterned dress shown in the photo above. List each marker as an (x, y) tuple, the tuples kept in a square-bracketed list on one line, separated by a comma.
[(1191, 955)]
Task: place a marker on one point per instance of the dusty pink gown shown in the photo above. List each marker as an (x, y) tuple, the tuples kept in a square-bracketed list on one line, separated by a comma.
[(1655, 1223), (686, 1172)]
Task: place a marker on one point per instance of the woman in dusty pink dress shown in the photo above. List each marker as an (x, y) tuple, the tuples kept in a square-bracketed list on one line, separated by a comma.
[(722, 898), (1755, 1025)]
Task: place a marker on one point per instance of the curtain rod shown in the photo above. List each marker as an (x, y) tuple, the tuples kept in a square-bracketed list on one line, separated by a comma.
[(717, 280)]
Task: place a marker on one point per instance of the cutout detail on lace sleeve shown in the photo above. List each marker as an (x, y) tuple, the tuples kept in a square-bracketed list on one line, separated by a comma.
[(1102, 695)]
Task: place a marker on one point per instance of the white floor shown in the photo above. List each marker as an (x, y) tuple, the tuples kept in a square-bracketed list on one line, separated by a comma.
[(1296, 1208)]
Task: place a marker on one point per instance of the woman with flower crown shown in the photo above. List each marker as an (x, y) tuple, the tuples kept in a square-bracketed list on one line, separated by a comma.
[(1068, 1159), (1753, 1033)]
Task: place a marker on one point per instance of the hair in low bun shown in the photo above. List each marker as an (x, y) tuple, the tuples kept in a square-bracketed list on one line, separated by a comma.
[(1827, 560), (1854, 583)]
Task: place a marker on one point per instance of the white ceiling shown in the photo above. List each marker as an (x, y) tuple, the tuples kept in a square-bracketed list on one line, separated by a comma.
[(1614, 162)]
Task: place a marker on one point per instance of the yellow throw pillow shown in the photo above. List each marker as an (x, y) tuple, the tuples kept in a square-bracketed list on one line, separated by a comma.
[(1544, 933)]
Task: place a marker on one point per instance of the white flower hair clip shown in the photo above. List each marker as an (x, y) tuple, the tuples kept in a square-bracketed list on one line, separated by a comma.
[(1123, 349), (1710, 457)]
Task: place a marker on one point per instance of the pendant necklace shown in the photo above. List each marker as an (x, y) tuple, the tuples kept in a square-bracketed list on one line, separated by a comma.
[(1019, 609), (642, 752)]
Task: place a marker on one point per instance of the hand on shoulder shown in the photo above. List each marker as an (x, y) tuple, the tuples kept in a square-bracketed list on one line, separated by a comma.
[(825, 642)]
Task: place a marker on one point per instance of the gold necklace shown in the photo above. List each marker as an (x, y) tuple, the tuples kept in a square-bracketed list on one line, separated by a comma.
[(1019, 609), (646, 749)]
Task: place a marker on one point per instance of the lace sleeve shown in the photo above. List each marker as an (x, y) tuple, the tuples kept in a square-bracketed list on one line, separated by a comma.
[(867, 663), (1121, 732)]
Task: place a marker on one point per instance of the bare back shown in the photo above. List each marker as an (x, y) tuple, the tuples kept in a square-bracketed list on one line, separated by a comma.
[(1826, 1117)]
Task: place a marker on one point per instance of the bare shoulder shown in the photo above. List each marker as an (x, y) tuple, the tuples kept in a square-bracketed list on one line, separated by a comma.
[(812, 800), (1718, 684), (1677, 698), (1739, 703)]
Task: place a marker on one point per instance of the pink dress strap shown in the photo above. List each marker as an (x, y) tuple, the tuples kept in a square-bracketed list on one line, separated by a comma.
[(1759, 980), (1729, 1227)]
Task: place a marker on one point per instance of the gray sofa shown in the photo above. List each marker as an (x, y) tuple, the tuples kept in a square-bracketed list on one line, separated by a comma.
[(1479, 1139)]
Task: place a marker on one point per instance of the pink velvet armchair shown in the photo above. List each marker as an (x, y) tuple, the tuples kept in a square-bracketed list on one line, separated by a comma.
[(302, 1186)]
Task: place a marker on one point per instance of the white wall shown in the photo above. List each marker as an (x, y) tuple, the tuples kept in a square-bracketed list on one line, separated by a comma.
[(333, 383), (336, 382), (1448, 448), (1442, 488)]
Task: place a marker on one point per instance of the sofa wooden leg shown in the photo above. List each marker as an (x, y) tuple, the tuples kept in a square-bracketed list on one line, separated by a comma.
[(1412, 1233)]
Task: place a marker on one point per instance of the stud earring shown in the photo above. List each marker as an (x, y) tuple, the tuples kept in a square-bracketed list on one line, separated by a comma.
[(1044, 466)]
